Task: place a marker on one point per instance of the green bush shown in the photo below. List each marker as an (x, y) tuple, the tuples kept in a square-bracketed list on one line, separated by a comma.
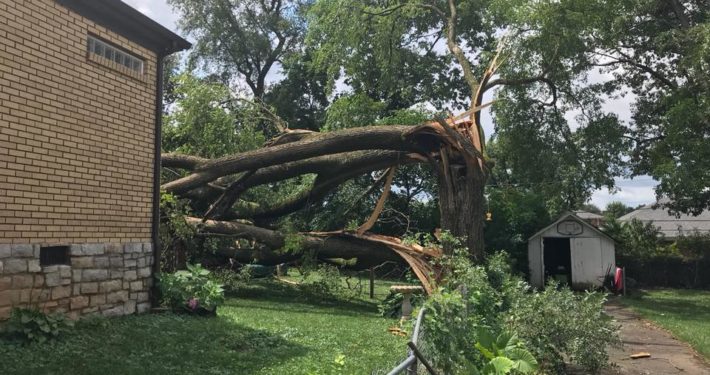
[(193, 290), (32, 325), (553, 325), (559, 323), (505, 354)]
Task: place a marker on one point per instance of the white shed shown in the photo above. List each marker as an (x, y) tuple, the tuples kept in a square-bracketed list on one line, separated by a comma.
[(571, 251)]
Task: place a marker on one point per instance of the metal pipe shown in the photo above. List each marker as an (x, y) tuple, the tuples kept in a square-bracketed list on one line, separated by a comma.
[(157, 145)]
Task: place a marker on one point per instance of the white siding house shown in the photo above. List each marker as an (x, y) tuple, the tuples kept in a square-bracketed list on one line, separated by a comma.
[(571, 251)]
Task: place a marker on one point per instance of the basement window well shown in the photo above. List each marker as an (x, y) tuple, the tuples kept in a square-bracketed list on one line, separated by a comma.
[(53, 255)]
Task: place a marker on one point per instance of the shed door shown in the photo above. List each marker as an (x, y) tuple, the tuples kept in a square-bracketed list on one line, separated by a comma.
[(586, 261)]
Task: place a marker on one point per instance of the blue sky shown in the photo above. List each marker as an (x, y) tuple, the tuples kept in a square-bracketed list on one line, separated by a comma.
[(632, 192)]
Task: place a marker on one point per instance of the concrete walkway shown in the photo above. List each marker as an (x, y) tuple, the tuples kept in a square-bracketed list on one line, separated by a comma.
[(668, 355)]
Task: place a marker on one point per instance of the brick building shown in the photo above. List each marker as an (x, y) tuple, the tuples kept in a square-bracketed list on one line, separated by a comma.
[(80, 89)]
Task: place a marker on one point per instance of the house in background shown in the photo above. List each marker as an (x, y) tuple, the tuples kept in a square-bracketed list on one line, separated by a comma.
[(571, 251), (669, 225), (590, 217), (80, 110)]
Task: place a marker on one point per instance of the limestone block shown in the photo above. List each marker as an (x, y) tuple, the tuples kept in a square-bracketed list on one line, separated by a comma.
[(33, 266), (130, 263), (114, 311), (39, 281), (97, 300), (136, 286), (64, 270), (115, 274), (110, 286), (114, 248), (82, 262), (101, 262), (5, 282), (25, 295), (76, 290), (132, 248), (5, 251), (93, 249), (60, 292), (89, 288), (89, 310), (22, 281), (9, 297), (142, 297), (79, 302), (143, 307), (40, 295), (50, 269), (74, 315), (129, 307), (15, 266), (142, 262), (75, 250), (2, 266), (76, 275), (130, 275), (53, 279), (144, 272), (115, 297), (5, 312), (23, 251), (116, 262), (94, 275)]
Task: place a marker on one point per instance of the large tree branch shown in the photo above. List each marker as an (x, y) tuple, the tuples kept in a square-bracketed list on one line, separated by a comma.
[(525, 81), (457, 51), (626, 59), (322, 165), (324, 184), (367, 252), (367, 138)]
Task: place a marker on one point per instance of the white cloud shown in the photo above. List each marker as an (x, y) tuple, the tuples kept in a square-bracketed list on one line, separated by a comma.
[(158, 10), (632, 192)]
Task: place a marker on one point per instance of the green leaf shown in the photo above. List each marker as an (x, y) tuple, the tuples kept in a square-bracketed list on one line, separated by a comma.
[(502, 365), (523, 360)]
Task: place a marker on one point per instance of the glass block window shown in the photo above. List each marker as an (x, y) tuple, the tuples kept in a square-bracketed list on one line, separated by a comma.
[(110, 52)]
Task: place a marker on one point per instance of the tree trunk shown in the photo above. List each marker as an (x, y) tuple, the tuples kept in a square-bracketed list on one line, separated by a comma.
[(461, 205), (368, 253)]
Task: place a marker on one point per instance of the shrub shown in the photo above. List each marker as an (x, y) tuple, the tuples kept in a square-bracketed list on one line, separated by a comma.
[(558, 323), (192, 290), (475, 302), (32, 325)]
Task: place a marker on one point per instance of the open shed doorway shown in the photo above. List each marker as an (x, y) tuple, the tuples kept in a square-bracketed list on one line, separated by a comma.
[(558, 259)]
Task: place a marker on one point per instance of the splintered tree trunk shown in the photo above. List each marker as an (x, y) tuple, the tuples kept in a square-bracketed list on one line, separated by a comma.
[(461, 204)]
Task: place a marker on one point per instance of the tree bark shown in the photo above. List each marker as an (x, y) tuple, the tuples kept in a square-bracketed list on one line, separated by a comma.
[(365, 138), (461, 205), (367, 253)]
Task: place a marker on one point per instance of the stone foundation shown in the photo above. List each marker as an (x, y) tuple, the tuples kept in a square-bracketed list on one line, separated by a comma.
[(109, 279)]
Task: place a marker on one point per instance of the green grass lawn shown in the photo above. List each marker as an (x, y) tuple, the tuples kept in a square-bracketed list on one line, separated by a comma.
[(686, 313), (266, 328)]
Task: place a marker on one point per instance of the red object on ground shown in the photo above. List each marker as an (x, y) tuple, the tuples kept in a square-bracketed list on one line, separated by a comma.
[(618, 275)]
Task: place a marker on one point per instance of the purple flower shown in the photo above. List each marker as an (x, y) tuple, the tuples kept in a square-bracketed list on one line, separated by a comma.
[(193, 303)]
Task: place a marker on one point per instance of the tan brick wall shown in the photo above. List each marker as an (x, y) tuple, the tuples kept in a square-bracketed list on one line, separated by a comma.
[(76, 136)]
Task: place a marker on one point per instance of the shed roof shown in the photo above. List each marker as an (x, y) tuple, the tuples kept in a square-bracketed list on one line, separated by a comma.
[(122, 19), (573, 216), (587, 215), (670, 225)]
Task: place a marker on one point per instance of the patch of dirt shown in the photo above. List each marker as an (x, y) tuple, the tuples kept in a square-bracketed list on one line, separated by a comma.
[(668, 355)]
